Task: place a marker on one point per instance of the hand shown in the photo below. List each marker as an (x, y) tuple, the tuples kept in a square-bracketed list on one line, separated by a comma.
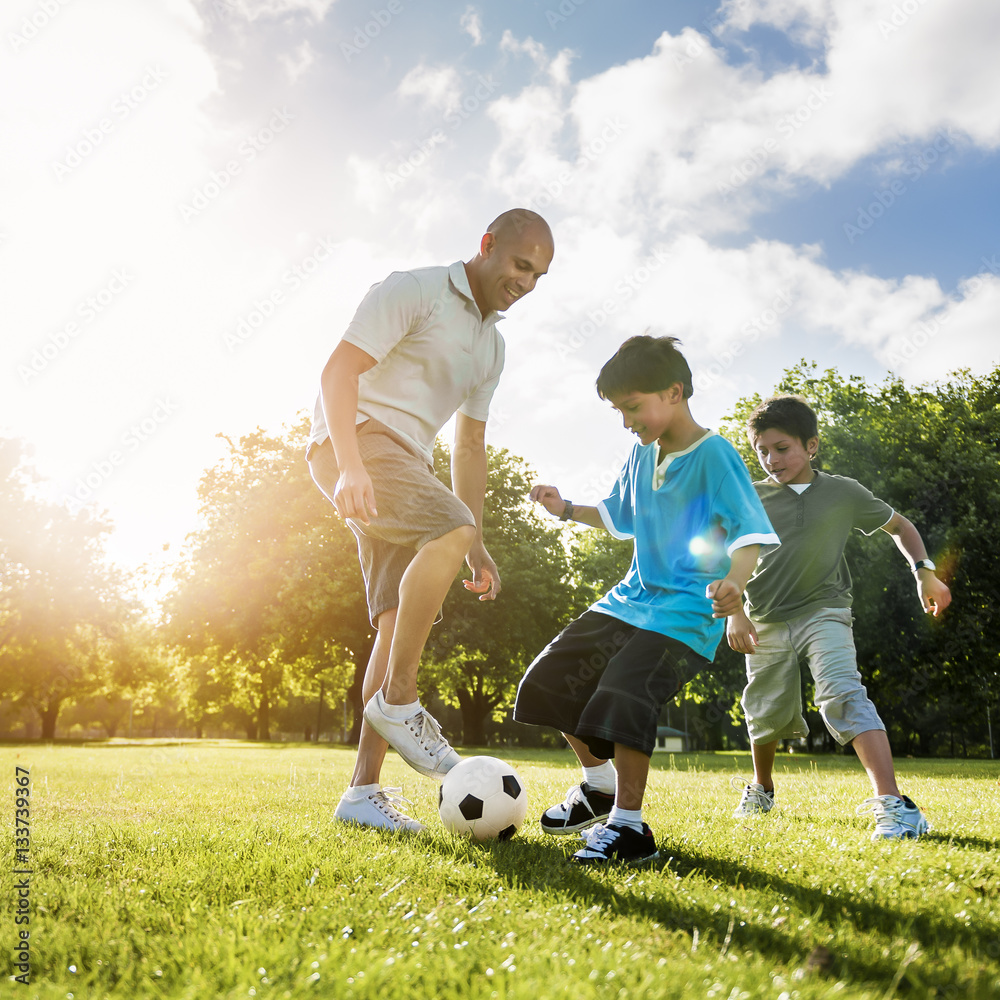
[(934, 593), (725, 596), (485, 575), (740, 634), (354, 495), (549, 498)]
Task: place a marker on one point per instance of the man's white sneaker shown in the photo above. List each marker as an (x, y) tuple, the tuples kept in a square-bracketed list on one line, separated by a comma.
[(379, 809), (754, 801), (417, 740), (895, 819)]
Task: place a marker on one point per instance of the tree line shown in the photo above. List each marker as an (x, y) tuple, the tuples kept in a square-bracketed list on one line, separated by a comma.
[(264, 628)]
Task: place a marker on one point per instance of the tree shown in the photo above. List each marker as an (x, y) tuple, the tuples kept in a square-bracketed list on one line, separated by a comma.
[(479, 652), (269, 592), (60, 600)]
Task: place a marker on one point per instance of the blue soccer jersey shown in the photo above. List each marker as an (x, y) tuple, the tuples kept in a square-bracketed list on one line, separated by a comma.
[(687, 516)]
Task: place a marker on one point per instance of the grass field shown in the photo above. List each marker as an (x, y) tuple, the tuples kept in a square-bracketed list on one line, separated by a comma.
[(214, 870)]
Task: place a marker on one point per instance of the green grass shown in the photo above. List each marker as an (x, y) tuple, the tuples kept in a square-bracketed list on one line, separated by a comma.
[(209, 870)]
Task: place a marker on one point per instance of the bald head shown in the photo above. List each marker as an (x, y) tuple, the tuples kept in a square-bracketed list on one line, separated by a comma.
[(514, 222), (514, 253)]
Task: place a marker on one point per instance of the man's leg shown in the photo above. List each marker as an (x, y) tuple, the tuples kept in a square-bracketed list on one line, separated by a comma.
[(371, 746), (875, 755), (421, 593), (395, 711)]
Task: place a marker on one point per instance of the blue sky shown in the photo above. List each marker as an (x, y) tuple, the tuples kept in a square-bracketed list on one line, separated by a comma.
[(198, 193)]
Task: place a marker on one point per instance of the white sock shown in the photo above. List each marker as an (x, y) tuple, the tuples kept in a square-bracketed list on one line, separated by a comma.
[(400, 711), (358, 792), (601, 778), (626, 817)]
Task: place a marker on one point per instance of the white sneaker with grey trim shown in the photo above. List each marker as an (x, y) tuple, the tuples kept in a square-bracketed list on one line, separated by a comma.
[(417, 740), (895, 819), (754, 801), (379, 809)]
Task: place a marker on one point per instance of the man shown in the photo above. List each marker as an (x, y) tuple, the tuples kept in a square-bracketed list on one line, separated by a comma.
[(422, 346)]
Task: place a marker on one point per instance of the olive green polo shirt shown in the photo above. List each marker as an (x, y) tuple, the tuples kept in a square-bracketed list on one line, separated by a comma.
[(808, 570)]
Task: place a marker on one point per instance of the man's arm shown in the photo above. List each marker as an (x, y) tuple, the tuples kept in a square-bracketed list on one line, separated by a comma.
[(550, 499), (354, 495), (468, 480), (934, 593)]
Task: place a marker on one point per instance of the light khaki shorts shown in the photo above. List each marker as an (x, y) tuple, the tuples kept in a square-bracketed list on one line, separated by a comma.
[(772, 699), (414, 507)]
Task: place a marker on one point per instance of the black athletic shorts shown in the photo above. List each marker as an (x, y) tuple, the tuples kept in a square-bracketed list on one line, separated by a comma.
[(605, 681)]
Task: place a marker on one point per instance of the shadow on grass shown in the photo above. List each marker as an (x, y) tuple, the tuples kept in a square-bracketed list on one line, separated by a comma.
[(546, 868)]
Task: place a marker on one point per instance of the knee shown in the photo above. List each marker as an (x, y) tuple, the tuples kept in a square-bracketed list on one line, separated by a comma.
[(458, 541)]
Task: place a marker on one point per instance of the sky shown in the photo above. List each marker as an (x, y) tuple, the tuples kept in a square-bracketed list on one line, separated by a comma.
[(196, 194)]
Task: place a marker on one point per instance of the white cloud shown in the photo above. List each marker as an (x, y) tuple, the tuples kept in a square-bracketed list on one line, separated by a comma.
[(437, 88), (298, 62), (472, 25), (254, 9)]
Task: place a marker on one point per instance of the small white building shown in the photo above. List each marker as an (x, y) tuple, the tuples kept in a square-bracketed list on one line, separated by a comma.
[(670, 740)]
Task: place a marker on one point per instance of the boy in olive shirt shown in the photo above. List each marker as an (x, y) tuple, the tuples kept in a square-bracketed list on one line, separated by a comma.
[(799, 606)]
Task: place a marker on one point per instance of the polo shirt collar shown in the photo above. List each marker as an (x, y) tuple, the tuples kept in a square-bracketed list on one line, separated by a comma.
[(460, 282)]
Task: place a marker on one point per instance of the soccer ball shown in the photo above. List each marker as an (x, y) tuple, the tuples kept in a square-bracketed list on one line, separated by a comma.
[(482, 797)]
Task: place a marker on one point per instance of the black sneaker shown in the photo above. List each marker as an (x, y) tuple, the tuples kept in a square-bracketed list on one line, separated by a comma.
[(617, 845), (584, 806)]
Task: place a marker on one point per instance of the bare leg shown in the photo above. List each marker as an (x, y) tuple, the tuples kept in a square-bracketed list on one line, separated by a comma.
[(371, 746), (633, 769), (763, 763), (874, 753), (587, 759), (421, 592)]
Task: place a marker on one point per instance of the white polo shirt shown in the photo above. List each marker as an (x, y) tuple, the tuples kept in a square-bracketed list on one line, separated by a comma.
[(436, 355)]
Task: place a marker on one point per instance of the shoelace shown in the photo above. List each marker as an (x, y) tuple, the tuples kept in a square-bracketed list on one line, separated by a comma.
[(599, 837), (388, 800), (885, 807), (573, 795), (428, 733), (749, 792)]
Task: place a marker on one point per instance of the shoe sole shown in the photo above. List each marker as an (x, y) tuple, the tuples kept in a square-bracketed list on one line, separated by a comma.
[(564, 831), (614, 862), (438, 774)]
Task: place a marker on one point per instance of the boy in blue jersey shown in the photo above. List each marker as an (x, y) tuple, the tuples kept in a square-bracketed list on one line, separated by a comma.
[(685, 497)]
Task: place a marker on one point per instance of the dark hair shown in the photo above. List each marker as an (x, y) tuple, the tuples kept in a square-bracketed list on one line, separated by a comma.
[(645, 364), (791, 414)]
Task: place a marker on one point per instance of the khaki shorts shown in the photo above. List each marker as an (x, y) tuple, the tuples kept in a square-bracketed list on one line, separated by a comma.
[(414, 507), (772, 699)]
